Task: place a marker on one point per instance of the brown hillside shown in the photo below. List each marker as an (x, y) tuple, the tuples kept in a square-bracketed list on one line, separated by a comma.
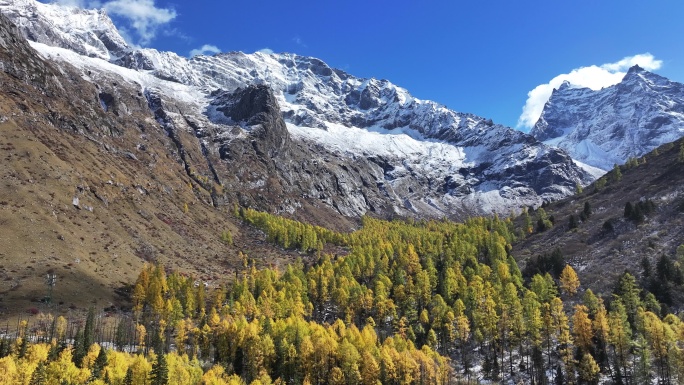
[(600, 254), (137, 201)]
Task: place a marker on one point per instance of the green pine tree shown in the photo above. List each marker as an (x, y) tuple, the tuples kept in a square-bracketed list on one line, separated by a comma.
[(24, 346), (128, 380), (100, 363), (587, 209), (79, 348), (89, 333), (160, 371), (121, 336), (39, 376)]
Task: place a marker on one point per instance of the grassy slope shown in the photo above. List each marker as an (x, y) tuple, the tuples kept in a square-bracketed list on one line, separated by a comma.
[(138, 205)]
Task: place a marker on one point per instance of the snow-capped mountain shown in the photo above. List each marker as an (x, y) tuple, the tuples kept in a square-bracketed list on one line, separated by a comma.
[(353, 144), (87, 32), (606, 127)]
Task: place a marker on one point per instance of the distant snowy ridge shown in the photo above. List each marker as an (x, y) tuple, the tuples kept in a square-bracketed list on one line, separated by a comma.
[(461, 161), (87, 32), (606, 127)]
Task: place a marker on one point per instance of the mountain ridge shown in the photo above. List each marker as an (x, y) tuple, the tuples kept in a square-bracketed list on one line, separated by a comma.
[(425, 160), (609, 126)]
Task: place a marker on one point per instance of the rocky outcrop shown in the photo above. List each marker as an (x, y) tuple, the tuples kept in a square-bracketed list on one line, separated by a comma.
[(256, 107)]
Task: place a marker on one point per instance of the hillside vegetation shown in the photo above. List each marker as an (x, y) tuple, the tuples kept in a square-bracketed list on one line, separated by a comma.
[(630, 218), (410, 302)]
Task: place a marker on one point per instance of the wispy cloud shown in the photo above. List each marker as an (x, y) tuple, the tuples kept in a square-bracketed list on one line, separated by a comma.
[(298, 40), (206, 49), (594, 77), (175, 32), (267, 51), (144, 16)]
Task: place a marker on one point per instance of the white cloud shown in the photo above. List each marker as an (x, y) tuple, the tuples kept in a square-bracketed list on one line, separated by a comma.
[(144, 17), (206, 49), (267, 51), (593, 77)]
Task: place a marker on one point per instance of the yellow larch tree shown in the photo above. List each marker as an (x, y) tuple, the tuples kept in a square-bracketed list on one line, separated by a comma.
[(569, 281)]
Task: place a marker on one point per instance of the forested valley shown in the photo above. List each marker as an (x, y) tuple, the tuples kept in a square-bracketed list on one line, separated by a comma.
[(417, 302)]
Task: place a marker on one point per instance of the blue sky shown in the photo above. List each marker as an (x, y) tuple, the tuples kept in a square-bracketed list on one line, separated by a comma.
[(482, 57)]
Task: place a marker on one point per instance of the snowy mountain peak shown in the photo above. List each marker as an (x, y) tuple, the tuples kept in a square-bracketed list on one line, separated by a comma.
[(564, 85), (399, 155), (608, 126), (635, 69), (87, 32)]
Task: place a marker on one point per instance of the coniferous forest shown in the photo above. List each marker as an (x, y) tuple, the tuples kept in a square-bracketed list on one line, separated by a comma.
[(429, 302)]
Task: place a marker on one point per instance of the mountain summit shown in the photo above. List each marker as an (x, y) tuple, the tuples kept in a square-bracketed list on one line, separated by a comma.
[(606, 127), (327, 139)]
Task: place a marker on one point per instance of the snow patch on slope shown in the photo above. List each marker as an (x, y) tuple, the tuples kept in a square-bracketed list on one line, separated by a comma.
[(144, 80)]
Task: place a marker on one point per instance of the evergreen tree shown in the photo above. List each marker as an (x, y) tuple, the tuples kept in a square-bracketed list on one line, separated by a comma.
[(79, 348), (628, 210), (160, 371), (543, 222), (619, 336), (39, 376), (587, 209), (646, 268), (617, 174), (629, 293), (4, 347), (559, 379), (100, 363), (121, 337), (128, 379), (642, 373), (89, 332), (23, 346)]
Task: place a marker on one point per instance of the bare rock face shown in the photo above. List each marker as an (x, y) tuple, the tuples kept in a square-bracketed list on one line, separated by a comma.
[(256, 106), (18, 58)]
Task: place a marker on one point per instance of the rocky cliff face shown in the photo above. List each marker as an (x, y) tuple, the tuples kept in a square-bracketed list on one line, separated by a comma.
[(606, 127), (289, 134)]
